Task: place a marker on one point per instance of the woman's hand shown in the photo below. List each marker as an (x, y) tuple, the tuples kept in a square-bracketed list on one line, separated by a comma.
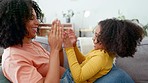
[(55, 36)]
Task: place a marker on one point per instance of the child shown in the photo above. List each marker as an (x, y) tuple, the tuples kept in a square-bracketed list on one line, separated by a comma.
[(112, 38)]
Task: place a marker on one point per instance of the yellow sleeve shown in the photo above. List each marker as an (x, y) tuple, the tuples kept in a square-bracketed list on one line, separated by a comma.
[(79, 55), (89, 69)]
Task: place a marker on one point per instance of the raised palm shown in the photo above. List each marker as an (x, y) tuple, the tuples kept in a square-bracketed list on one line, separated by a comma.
[(72, 37)]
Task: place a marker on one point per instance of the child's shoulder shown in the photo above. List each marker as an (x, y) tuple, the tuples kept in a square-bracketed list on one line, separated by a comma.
[(99, 51)]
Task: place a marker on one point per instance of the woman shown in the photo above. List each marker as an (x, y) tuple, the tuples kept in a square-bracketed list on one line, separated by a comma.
[(112, 38), (24, 60)]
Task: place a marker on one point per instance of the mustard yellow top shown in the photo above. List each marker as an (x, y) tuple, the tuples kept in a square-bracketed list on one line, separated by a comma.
[(86, 69)]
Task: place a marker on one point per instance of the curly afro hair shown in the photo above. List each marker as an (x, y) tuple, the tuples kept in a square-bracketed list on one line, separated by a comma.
[(120, 36), (13, 16)]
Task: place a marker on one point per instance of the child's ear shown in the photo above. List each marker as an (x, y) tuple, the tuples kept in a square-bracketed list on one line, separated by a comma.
[(102, 46), (99, 43)]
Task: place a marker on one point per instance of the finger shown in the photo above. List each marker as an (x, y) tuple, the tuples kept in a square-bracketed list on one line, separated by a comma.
[(72, 34), (62, 31), (49, 34), (65, 35), (58, 28), (53, 27), (51, 30), (71, 31)]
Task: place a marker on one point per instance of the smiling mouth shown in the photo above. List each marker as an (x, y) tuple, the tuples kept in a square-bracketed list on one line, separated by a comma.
[(34, 29)]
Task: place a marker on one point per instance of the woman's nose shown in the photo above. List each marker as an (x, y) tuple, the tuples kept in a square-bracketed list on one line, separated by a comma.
[(36, 22)]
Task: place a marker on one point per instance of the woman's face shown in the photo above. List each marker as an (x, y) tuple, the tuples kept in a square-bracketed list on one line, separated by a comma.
[(97, 45), (32, 26)]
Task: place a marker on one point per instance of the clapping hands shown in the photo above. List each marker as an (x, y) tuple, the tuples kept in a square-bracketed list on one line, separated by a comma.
[(70, 38), (55, 36)]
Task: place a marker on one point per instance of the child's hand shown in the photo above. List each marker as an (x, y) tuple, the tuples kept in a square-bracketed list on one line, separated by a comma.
[(72, 36), (67, 41)]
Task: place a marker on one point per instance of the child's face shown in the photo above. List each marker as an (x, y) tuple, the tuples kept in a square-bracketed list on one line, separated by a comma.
[(97, 44)]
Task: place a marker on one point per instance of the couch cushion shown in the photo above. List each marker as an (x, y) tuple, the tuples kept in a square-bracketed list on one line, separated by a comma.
[(85, 44), (116, 75), (43, 41), (136, 67), (3, 79)]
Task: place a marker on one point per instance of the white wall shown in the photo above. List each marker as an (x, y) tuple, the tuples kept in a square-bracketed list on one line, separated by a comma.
[(100, 9)]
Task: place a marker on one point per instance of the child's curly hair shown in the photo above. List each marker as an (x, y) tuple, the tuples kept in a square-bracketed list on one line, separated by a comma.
[(13, 17), (120, 36)]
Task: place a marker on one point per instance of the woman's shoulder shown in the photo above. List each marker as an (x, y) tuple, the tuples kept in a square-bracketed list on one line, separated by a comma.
[(35, 42)]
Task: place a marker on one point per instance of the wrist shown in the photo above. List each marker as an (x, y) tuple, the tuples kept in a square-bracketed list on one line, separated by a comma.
[(61, 50)]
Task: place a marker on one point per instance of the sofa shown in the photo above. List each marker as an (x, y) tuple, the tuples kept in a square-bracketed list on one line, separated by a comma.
[(136, 67)]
